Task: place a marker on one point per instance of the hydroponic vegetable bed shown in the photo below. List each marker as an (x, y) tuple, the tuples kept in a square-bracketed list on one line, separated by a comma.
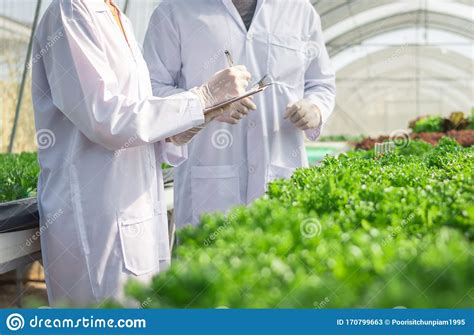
[(358, 231), (19, 234), (18, 178), (18, 182)]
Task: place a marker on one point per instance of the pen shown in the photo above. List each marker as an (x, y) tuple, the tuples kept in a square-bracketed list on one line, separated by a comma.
[(229, 58)]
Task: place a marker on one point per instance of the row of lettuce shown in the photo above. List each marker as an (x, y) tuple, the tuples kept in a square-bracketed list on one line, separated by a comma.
[(357, 231), (19, 176), (455, 121)]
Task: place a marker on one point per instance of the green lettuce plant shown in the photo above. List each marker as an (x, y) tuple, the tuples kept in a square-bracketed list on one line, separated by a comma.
[(357, 231), (18, 176)]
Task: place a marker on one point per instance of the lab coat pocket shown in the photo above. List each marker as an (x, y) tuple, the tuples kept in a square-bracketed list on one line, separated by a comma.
[(286, 60), (279, 172), (139, 242), (214, 188)]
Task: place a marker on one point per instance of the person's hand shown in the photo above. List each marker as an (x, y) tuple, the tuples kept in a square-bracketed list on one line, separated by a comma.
[(186, 137), (304, 115), (223, 85), (237, 111)]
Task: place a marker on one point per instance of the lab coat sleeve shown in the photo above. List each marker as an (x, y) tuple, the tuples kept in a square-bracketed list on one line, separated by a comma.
[(320, 79), (162, 53), (84, 87)]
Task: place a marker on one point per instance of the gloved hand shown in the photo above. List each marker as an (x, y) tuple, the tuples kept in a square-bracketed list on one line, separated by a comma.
[(237, 111), (304, 115), (230, 82), (223, 85), (187, 136)]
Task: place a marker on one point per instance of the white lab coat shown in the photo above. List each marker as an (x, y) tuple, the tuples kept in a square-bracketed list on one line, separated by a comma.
[(230, 165), (101, 143)]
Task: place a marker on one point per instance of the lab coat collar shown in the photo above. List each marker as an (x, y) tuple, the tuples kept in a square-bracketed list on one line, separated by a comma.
[(259, 7), (235, 13)]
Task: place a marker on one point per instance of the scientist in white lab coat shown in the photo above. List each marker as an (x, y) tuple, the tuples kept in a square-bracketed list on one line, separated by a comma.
[(232, 164), (102, 137)]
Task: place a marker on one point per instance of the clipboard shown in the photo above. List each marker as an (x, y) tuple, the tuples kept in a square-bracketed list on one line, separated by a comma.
[(247, 94)]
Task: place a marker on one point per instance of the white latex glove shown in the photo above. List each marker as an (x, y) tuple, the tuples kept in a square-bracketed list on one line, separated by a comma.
[(187, 136), (225, 84), (237, 111), (304, 115)]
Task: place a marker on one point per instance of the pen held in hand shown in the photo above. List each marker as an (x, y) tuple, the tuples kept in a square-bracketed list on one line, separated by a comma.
[(230, 61)]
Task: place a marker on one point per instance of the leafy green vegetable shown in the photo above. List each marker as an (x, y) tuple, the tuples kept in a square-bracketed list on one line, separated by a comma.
[(429, 124), (471, 120), (18, 176), (357, 231)]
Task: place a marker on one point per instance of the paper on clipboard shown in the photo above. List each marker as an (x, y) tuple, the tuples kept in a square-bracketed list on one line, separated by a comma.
[(247, 94)]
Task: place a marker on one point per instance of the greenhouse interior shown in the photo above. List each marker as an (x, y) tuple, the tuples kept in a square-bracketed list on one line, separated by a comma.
[(379, 213)]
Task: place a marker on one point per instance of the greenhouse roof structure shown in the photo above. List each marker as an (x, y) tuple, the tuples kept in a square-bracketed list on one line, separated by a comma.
[(392, 57), (13, 29)]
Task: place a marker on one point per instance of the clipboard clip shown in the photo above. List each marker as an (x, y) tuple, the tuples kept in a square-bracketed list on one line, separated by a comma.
[(263, 83), (260, 86)]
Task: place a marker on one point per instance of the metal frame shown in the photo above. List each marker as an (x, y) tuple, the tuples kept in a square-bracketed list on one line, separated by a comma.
[(25, 73)]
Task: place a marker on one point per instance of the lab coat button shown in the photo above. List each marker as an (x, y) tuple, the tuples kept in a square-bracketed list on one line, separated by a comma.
[(252, 124), (251, 169)]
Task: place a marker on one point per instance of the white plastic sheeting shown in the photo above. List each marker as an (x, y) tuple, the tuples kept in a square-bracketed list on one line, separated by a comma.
[(401, 58)]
